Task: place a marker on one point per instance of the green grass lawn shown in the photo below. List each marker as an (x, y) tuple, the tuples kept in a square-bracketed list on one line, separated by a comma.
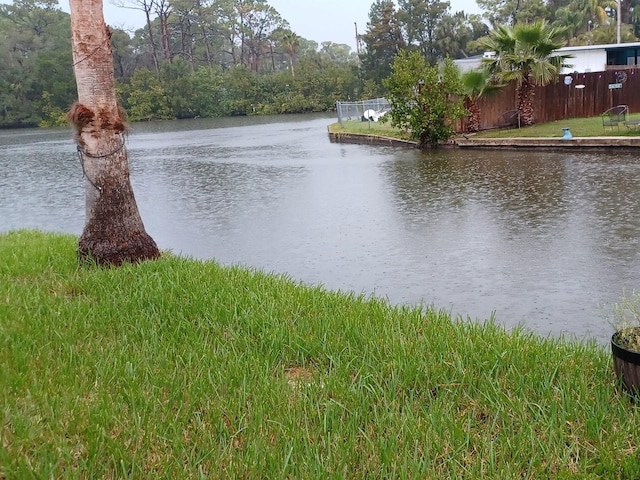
[(178, 368), (580, 127)]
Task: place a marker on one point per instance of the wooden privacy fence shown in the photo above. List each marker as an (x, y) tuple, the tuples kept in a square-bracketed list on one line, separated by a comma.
[(560, 100)]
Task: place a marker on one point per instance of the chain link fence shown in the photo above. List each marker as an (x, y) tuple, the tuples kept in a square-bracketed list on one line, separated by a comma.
[(364, 111)]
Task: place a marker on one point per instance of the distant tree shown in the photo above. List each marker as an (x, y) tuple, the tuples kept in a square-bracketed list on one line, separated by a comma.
[(324, 82), (594, 10), (382, 40), (609, 34), (146, 97), (571, 20), (124, 55), (291, 42), (113, 231), (420, 20), (183, 29), (524, 55), (208, 83), (425, 100), (53, 85), (250, 28), (307, 47), (338, 52), (456, 35), (478, 30), (163, 10), (148, 7), (177, 79), (36, 76), (206, 37), (512, 12)]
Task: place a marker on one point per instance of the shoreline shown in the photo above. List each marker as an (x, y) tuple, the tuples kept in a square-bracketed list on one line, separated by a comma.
[(519, 143)]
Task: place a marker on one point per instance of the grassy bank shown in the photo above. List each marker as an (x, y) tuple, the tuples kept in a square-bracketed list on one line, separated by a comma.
[(185, 369), (580, 127)]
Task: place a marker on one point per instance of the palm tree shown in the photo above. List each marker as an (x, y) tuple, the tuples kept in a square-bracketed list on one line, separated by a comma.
[(596, 10), (571, 19), (113, 231), (291, 42), (476, 84), (524, 54)]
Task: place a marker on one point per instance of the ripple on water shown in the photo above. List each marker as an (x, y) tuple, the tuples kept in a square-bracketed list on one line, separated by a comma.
[(539, 238)]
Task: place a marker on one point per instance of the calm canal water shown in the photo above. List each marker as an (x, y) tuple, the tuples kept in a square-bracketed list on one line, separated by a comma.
[(539, 238)]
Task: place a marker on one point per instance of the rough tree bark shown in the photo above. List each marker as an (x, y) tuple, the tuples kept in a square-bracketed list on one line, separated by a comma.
[(113, 231), (474, 115), (524, 100)]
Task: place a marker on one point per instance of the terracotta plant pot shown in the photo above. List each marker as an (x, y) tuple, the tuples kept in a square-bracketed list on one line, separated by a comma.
[(626, 364)]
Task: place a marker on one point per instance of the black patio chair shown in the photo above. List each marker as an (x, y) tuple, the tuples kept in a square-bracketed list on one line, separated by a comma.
[(614, 117)]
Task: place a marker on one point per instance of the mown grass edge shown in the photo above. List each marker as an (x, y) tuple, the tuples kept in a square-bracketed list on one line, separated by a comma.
[(178, 368)]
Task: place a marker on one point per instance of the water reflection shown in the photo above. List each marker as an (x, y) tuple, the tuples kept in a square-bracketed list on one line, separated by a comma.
[(530, 234), (538, 238)]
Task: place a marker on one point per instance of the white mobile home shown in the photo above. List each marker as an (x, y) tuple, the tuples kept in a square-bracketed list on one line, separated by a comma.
[(586, 58), (598, 58)]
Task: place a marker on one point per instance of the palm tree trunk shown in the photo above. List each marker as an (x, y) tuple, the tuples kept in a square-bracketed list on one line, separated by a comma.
[(474, 116), (113, 231), (524, 101)]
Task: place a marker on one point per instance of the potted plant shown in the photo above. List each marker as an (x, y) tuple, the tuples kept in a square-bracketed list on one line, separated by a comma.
[(625, 342)]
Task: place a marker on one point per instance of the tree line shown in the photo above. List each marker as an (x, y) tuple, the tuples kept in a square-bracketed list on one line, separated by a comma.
[(219, 59), (206, 58)]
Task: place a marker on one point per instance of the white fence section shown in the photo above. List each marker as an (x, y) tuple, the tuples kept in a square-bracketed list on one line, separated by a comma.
[(365, 111)]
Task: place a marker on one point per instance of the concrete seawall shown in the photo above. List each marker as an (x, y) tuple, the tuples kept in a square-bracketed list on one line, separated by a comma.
[(576, 143), (363, 138)]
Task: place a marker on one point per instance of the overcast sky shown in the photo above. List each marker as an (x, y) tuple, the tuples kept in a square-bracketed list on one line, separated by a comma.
[(319, 20)]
